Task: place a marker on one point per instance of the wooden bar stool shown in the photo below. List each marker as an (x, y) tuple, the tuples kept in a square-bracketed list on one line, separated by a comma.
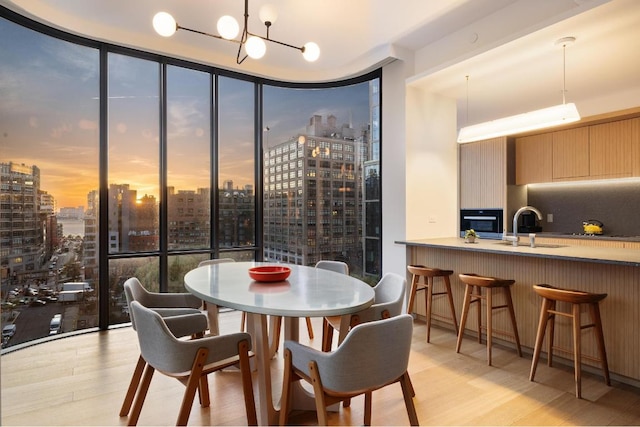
[(474, 282), (428, 274), (548, 313)]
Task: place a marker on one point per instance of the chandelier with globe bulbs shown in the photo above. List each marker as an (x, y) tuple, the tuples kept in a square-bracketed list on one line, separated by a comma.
[(254, 45)]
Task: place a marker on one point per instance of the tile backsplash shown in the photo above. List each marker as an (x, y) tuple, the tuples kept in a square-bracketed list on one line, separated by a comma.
[(616, 204)]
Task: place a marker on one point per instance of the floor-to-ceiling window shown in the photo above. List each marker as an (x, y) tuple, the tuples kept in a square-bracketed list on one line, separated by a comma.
[(320, 149), (49, 147), (195, 163), (236, 163)]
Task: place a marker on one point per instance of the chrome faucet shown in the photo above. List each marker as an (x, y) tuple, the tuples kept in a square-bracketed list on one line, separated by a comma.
[(515, 237)]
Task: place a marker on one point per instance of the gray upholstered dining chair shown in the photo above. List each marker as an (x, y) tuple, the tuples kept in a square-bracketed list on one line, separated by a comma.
[(338, 267), (372, 356), (388, 302), (212, 309), (183, 318), (189, 361)]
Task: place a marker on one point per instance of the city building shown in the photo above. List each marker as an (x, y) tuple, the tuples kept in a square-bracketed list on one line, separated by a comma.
[(236, 222), (90, 250), (23, 248)]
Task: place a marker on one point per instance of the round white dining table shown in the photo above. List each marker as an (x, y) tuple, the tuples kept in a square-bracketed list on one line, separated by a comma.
[(307, 292)]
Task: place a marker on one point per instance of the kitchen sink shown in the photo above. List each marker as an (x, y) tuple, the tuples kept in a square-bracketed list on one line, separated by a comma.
[(538, 245)]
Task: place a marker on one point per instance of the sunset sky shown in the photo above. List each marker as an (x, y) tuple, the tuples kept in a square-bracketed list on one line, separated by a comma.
[(49, 113)]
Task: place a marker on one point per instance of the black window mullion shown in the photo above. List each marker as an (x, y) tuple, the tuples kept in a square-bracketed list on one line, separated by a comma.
[(258, 173), (163, 220), (103, 205), (214, 205)]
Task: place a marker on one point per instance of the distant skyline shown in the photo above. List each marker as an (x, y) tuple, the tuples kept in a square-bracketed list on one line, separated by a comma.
[(49, 118)]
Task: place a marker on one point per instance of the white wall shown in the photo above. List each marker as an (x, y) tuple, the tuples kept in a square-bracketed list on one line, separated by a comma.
[(419, 165), (432, 166), (393, 165)]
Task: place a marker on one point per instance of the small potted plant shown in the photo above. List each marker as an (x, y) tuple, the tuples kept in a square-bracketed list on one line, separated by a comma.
[(470, 236)]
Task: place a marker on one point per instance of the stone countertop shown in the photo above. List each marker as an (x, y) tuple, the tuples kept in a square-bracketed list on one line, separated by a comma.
[(621, 256)]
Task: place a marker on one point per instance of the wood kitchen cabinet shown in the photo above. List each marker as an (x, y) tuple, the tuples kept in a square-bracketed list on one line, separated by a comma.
[(635, 148), (483, 174), (571, 154), (600, 151), (610, 148), (534, 158)]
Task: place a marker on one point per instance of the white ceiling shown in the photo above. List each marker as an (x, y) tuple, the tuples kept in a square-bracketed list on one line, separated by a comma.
[(506, 47)]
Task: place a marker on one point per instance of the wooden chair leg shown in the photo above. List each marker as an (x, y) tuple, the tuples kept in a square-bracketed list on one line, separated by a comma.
[(408, 393), (143, 388), (203, 392), (551, 336), (577, 351), (463, 318), (447, 284), (327, 335), (309, 327), (477, 298), (428, 303), (413, 391), (489, 324), (243, 321), (412, 293), (191, 386), (318, 392), (542, 327), (285, 399), (512, 314), (247, 384), (133, 387), (367, 408), (597, 321)]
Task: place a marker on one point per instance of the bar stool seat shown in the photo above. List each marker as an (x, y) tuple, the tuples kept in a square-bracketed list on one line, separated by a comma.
[(550, 295), (475, 282), (428, 275)]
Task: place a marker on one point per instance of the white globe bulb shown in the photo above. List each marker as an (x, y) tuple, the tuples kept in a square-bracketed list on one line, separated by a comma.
[(311, 51), (302, 139), (268, 13), (228, 27), (255, 47), (164, 24)]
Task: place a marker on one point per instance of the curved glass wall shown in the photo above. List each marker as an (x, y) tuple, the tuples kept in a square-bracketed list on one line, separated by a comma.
[(117, 163)]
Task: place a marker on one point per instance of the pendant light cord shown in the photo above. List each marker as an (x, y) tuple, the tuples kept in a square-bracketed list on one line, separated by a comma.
[(467, 112), (564, 73)]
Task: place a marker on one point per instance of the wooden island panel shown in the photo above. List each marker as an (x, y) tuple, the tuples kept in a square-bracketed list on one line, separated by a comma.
[(620, 313)]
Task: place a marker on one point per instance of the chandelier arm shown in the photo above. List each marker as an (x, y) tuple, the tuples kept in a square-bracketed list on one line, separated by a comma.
[(243, 40), (301, 49), (215, 36)]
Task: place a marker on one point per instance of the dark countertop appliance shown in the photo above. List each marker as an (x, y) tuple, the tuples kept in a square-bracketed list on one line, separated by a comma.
[(529, 223), (486, 222)]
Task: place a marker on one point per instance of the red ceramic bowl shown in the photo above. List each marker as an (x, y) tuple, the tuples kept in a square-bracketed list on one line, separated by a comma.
[(269, 273)]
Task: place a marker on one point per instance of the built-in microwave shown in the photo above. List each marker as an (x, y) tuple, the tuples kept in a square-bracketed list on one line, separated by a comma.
[(486, 222)]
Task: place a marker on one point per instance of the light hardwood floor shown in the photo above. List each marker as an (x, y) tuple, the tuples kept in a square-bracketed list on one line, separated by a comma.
[(81, 380)]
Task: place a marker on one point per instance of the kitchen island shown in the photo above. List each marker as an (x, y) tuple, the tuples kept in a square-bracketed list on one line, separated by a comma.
[(613, 269)]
